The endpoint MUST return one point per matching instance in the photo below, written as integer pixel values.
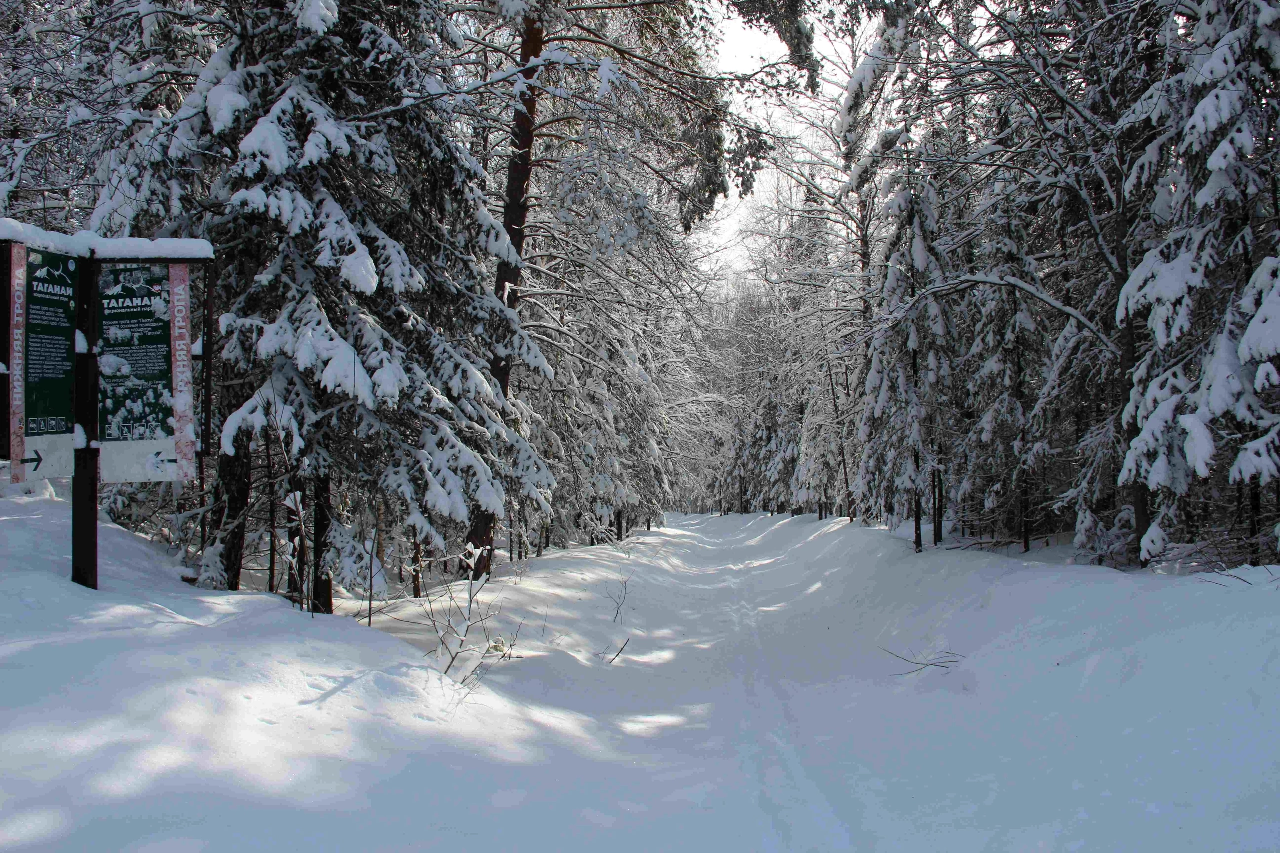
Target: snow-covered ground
(757, 705)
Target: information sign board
(41, 363)
(145, 423)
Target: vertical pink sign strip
(17, 361)
(180, 342)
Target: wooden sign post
(84, 480)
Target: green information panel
(50, 364)
(144, 368)
(135, 399)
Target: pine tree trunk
(515, 211)
(1255, 510)
(1141, 494)
(915, 504)
(321, 581)
(937, 507)
(234, 473)
(271, 517)
(844, 459)
(379, 545)
(417, 568)
(521, 539)
(1026, 517)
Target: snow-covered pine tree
(904, 396)
(1205, 292)
(313, 143)
(1086, 175)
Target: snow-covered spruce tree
(1205, 384)
(351, 235)
(997, 455)
(1086, 163)
(821, 465)
(759, 466)
(796, 260)
(904, 395)
(1054, 145)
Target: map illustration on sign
(140, 333)
(47, 316)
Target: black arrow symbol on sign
(36, 459)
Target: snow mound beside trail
(151, 712)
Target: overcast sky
(743, 46)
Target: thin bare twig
(943, 660)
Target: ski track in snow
(752, 708)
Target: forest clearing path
(754, 707)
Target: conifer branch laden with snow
(1049, 266)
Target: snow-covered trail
(752, 708)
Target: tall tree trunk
(1141, 494)
(417, 568)
(844, 459)
(379, 544)
(234, 473)
(1255, 510)
(1025, 500)
(515, 211)
(915, 506)
(520, 529)
(321, 580)
(271, 517)
(937, 507)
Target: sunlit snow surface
(752, 709)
